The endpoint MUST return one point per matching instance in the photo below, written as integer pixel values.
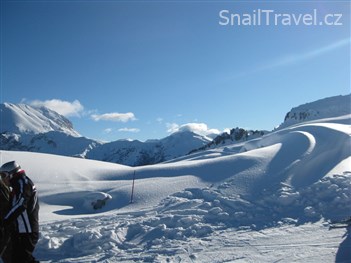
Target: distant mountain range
(39, 129)
(27, 128)
(136, 153)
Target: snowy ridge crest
(320, 109)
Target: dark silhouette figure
(343, 254)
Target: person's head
(7, 170)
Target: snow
(136, 153)
(323, 108)
(38, 129)
(264, 200)
(22, 118)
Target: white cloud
(198, 128)
(114, 116)
(129, 130)
(172, 127)
(64, 108)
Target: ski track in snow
(266, 200)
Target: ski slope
(264, 200)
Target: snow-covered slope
(22, 118)
(264, 200)
(50, 142)
(324, 108)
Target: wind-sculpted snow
(325, 108)
(264, 200)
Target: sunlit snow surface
(265, 200)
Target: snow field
(267, 202)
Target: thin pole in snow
(132, 195)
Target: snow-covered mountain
(52, 142)
(27, 128)
(136, 153)
(25, 119)
(323, 108)
(39, 129)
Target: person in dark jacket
(24, 212)
(5, 239)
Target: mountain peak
(23, 118)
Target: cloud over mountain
(65, 108)
(198, 128)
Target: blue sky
(144, 69)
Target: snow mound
(96, 200)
